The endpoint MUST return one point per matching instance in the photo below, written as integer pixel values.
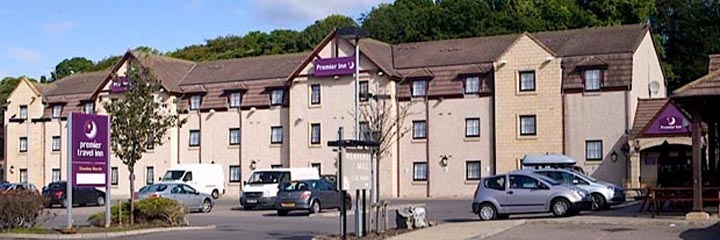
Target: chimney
(714, 63)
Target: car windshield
(589, 178)
(548, 180)
(268, 177)
(295, 186)
(4, 186)
(153, 188)
(173, 175)
(56, 185)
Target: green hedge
(162, 211)
(22, 209)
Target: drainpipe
(200, 136)
(239, 111)
(427, 140)
(398, 131)
(59, 121)
(43, 154)
(493, 140)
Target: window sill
(472, 182)
(417, 182)
(314, 106)
(472, 139)
(55, 152)
(526, 93)
(593, 93)
(194, 148)
(238, 183)
(314, 145)
(527, 137)
(419, 140)
(275, 145)
(593, 162)
(233, 146)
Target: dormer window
(472, 85)
(419, 88)
(593, 79)
(195, 101)
(56, 111)
(23, 114)
(89, 108)
(234, 99)
(276, 97)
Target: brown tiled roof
(646, 111)
(379, 53)
(714, 63)
(417, 73)
(169, 71)
(79, 83)
(446, 82)
(255, 94)
(597, 40)
(708, 85)
(251, 68)
(618, 66)
(451, 52)
(70, 102)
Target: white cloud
(25, 55)
(289, 11)
(58, 28)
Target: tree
(71, 66)
(136, 123)
(8, 84)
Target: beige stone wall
(545, 102)
(646, 69)
(446, 131)
(597, 116)
(32, 159)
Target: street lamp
(355, 33)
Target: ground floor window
(150, 175)
(235, 173)
(593, 150)
(114, 176)
(419, 171)
(276, 166)
(317, 166)
(56, 175)
(472, 170)
(23, 175)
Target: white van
(261, 188)
(205, 178)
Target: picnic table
(654, 199)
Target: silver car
(182, 193)
(525, 192)
(603, 194)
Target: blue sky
(36, 35)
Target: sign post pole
(108, 181)
(69, 182)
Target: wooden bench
(657, 197)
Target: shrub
(147, 211)
(22, 209)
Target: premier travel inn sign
(334, 66)
(89, 149)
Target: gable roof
(647, 109)
(250, 68)
(714, 63)
(451, 52)
(597, 40)
(169, 71)
(708, 85)
(79, 83)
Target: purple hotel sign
(334, 66)
(669, 121)
(119, 85)
(89, 149)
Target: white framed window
(114, 176)
(89, 108)
(195, 101)
(276, 97)
(276, 135)
(593, 79)
(472, 84)
(527, 81)
(528, 125)
(235, 98)
(194, 138)
(365, 131)
(594, 150)
(315, 133)
(23, 175)
(419, 129)
(472, 127)
(23, 144)
(420, 171)
(472, 170)
(55, 175)
(419, 88)
(363, 91)
(315, 94)
(234, 136)
(23, 114)
(57, 111)
(234, 173)
(56, 143)
(149, 175)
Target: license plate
(288, 204)
(252, 201)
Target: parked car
(309, 195)
(182, 193)
(205, 178)
(19, 187)
(261, 188)
(603, 194)
(56, 192)
(550, 161)
(525, 192)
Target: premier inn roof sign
(334, 66)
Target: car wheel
(100, 201)
(206, 206)
(487, 212)
(598, 202)
(315, 207)
(282, 213)
(215, 194)
(247, 207)
(560, 207)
